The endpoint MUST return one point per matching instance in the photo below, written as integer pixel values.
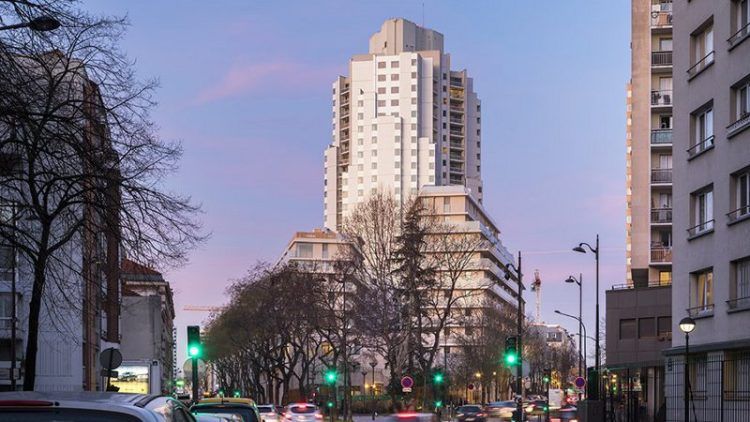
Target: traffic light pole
(194, 362)
(519, 349)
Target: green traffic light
(438, 403)
(545, 379)
(331, 376)
(237, 394)
(438, 378)
(329, 404)
(511, 359)
(194, 351)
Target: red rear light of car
(318, 416)
(25, 403)
(406, 415)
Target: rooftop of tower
(398, 35)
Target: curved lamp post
(581, 354)
(595, 251)
(687, 325)
(519, 334)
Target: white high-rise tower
(401, 120)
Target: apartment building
(712, 210)
(638, 312)
(402, 119)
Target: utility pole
(13, 307)
(519, 368)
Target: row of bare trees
(405, 281)
(80, 160)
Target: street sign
(407, 382)
(406, 389)
(527, 384)
(110, 358)
(580, 383)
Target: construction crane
(536, 287)
(202, 308)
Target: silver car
(90, 407)
(301, 412)
(268, 413)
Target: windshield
(246, 414)
(303, 409)
(469, 409)
(266, 409)
(63, 415)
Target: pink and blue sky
(245, 85)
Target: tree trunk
(32, 343)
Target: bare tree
(82, 162)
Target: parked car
(242, 407)
(218, 417)
(471, 413)
(301, 412)
(268, 413)
(90, 406)
(501, 409)
(414, 417)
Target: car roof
(225, 400)
(132, 404)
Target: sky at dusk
(245, 85)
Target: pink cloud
(242, 79)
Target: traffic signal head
(511, 351)
(331, 376)
(547, 376)
(438, 403)
(329, 404)
(237, 394)
(438, 378)
(194, 341)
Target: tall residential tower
(402, 119)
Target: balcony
(739, 214)
(457, 121)
(457, 82)
(646, 285)
(661, 254)
(661, 137)
(661, 18)
(742, 123)
(661, 176)
(456, 169)
(739, 36)
(702, 311)
(661, 58)
(661, 216)
(700, 229)
(457, 133)
(457, 145)
(701, 65)
(700, 147)
(738, 304)
(661, 98)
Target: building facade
(402, 119)
(712, 212)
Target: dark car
(471, 413)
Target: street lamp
(687, 325)
(580, 323)
(39, 24)
(595, 251)
(579, 282)
(519, 334)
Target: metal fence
(719, 388)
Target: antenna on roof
(423, 15)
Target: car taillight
(481, 415)
(318, 416)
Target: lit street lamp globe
(687, 325)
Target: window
(646, 327)
(6, 263)
(381, 103)
(702, 294)
(702, 42)
(6, 311)
(394, 90)
(627, 329)
(741, 198)
(394, 77)
(665, 44)
(325, 251)
(394, 103)
(703, 212)
(665, 277)
(737, 375)
(446, 204)
(740, 27)
(381, 78)
(413, 88)
(703, 133)
(740, 108)
(304, 250)
(381, 90)
(664, 326)
(381, 65)
(374, 166)
(740, 288)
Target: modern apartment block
(638, 312)
(712, 210)
(402, 119)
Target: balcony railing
(648, 284)
(741, 123)
(661, 98)
(738, 36)
(456, 169)
(701, 311)
(661, 215)
(700, 228)
(457, 121)
(661, 175)
(661, 58)
(701, 64)
(739, 303)
(701, 146)
(738, 213)
(457, 133)
(457, 145)
(661, 254)
(661, 136)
